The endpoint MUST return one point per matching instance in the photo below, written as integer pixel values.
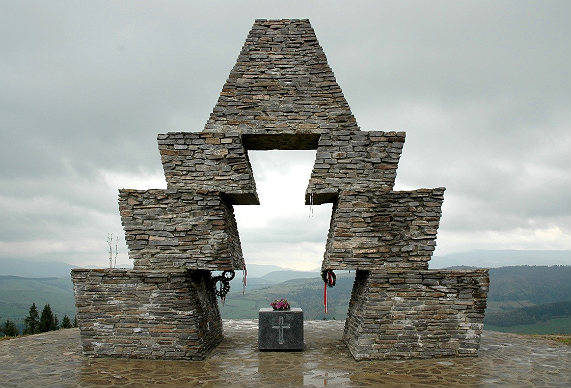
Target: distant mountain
(267, 275)
(529, 315)
(511, 288)
(42, 269)
(282, 276)
(502, 258)
(475, 258)
(306, 293)
(18, 293)
(260, 270)
(34, 268)
(529, 285)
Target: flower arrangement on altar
(281, 304)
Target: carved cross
(281, 328)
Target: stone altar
(281, 94)
(280, 329)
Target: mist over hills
(34, 268)
(516, 292)
(483, 258)
(474, 258)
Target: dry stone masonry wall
(146, 314)
(383, 229)
(208, 161)
(281, 94)
(281, 83)
(167, 229)
(348, 160)
(398, 313)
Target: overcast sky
(481, 88)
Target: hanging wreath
(221, 283)
(329, 277)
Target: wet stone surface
(55, 359)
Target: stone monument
(281, 94)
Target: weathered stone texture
(281, 94)
(174, 229)
(372, 230)
(347, 160)
(281, 83)
(397, 313)
(146, 314)
(208, 161)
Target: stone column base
(394, 313)
(146, 314)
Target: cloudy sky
(481, 88)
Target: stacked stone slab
(147, 314)
(167, 229)
(401, 313)
(281, 84)
(212, 162)
(281, 94)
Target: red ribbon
(329, 283)
(244, 279)
(325, 296)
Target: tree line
(529, 315)
(36, 323)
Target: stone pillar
(146, 314)
(396, 313)
(398, 308)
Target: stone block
(208, 161)
(121, 314)
(299, 95)
(372, 229)
(173, 229)
(416, 316)
(280, 329)
(353, 160)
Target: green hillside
(17, 295)
(521, 299)
(530, 284)
(306, 293)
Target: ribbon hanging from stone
(329, 280)
(244, 279)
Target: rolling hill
(511, 289)
(18, 293)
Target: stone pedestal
(146, 314)
(280, 329)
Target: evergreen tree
(32, 321)
(56, 322)
(47, 321)
(75, 321)
(10, 329)
(65, 322)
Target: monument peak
(281, 85)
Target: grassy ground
(6, 338)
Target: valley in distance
(530, 291)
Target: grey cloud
(482, 89)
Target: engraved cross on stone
(281, 328)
